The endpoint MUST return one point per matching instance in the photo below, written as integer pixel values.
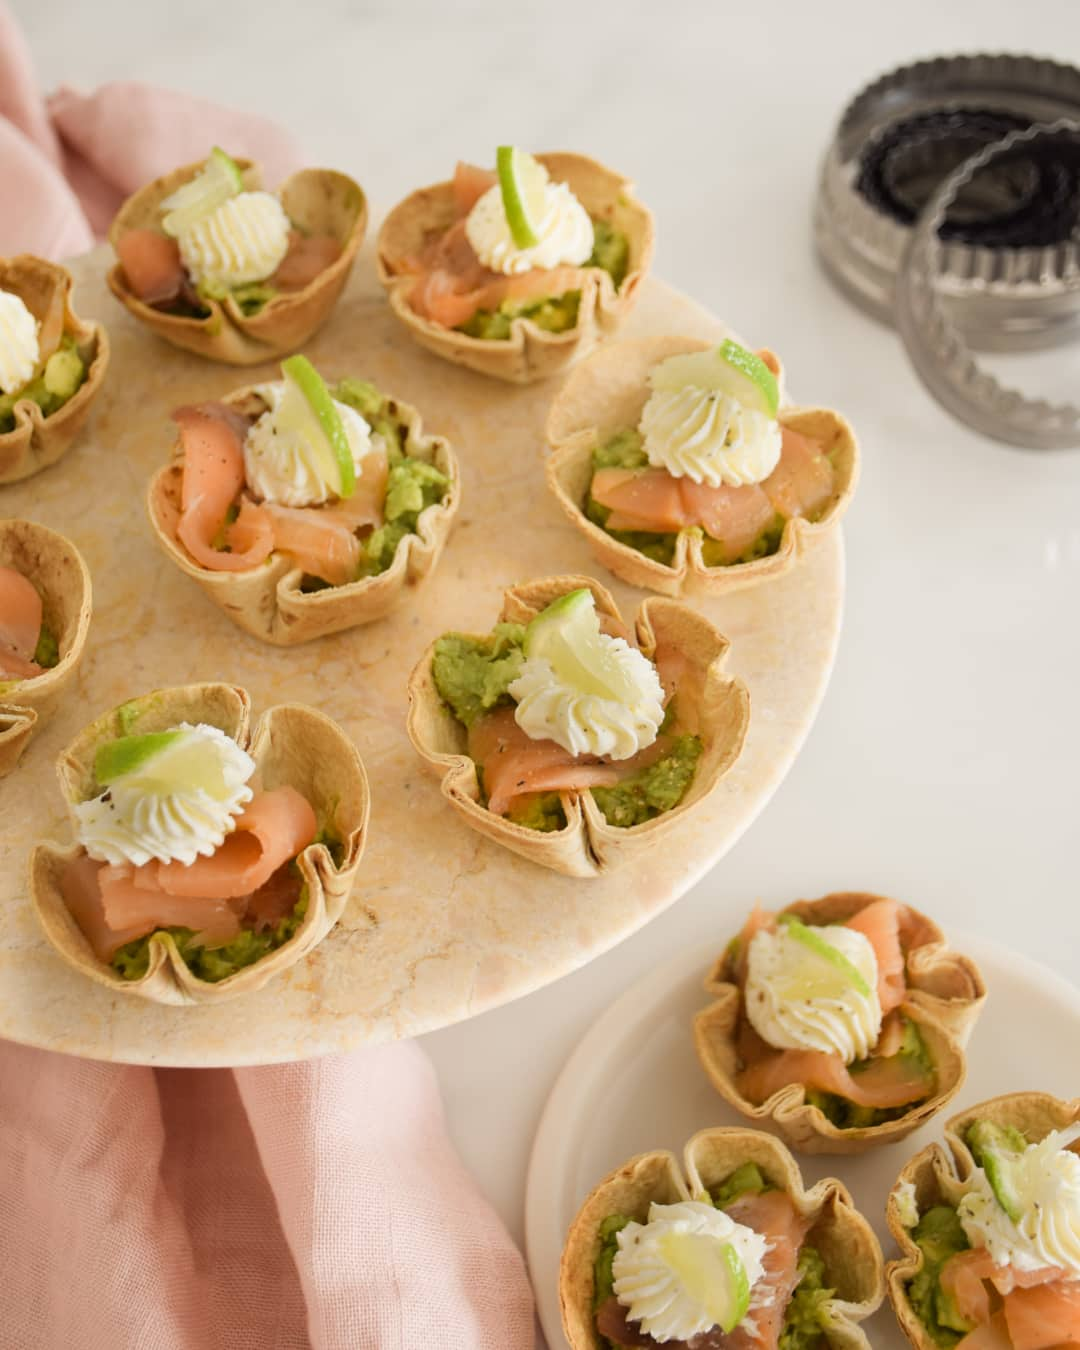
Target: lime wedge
(712, 1274)
(217, 181)
(567, 635)
(308, 409)
(814, 942)
(116, 759)
(728, 369)
(998, 1158)
(522, 182)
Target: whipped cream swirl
(174, 805)
(586, 723)
(669, 1273)
(281, 465)
(19, 348)
(797, 1000)
(564, 232)
(709, 437)
(244, 240)
(1046, 1178)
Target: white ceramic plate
(634, 1084)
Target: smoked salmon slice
(992, 1335)
(470, 184)
(308, 255)
(802, 482)
(151, 263)
(320, 545)
(1042, 1317)
(20, 625)
(734, 517)
(513, 764)
(880, 923)
(773, 1214)
(883, 1084)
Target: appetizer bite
(738, 1256)
(44, 617)
(302, 510)
(989, 1232)
(52, 364)
(206, 859)
(517, 272)
(568, 739)
(684, 469)
(840, 1021)
(214, 264)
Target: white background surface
(945, 766)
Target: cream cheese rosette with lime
(305, 508)
(568, 731)
(840, 1020)
(990, 1246)
(513, 271)
(686, 468)
(733, 1253)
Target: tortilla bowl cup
(530, 353)
(268, 601)
(937, 1175)
(605, 395)
(945, 994)
(317, 201)
(712, 704)
(846, 1241)
(291, 745)
(56, 568)
(36, 441)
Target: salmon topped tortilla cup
(567, 775)
(45, 602)
(48, 384)
(841, 1022)
(989, 1229)
(753, 486)
(533, 321)
(224, 509)
(194, 268)
(208, 858)
(799, 1261)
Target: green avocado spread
(847, 1115)
(47, 651)
(558, 313)
(939, 1236)
(61, 377)
(747, 1179)
(473, 675)
(652, 791)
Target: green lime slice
(998, 1158)
(712, 1273)
(567, 635)
(522, 182)
(118, 758)
(218, 180)
(814, 942)
(728, 369)
(308, 409)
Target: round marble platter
(442, 924)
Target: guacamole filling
(62, 376)
(412, 484)
(806, 1316)
(625, 451)
(47, 651)
(250, 298)
(473, 676)
(847, 1115)
(554, 314)
(939, 1236)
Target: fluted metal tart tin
(1008, 267)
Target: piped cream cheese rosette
(733, 1246)
(686, 469)
(45, 603)
(570, 740)
(842, 1021)
(207, 858)
(302, 509)
(215, 265)
(989, 1229)
(473, 289)
(52, 364)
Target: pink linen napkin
(68, 161)
(315, 1206)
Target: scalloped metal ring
(933, 341)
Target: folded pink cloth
(70, 160)
(307, 1205)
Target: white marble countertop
(943, 768)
